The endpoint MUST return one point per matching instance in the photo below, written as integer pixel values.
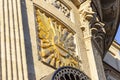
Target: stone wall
(72, 22)
(23, 48)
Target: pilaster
(13, 57)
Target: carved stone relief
(60, 6)
(56, 42)
(91, 23)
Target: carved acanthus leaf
(91, 23)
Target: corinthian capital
(92, 25)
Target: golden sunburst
(56, 42)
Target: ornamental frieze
(56, 42)
(60, 6)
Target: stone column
(12, 48)
(94, 39)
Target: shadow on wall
(27, 39)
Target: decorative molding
(56, 42)
(91, 24)
(60, 6)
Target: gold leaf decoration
(56, 42)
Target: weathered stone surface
(85, 30)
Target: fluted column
(13, 57)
